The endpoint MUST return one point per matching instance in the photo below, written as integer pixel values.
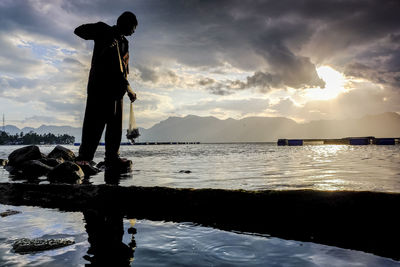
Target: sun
(334, 84)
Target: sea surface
(254, 166)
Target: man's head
(127, 23)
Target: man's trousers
(101, 112)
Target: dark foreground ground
(364, 221)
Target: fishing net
(133, 131)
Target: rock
(185, 171)
(34, 168)
(51, 162)
(26, 245)
(62, 152)
(66, 172)
(89, 170)
(9, 213)
(23, 154)
(3, 162)
(13, 170)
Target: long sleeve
(91, 31)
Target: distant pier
(367, 140)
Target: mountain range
(251, 129)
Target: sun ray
(334, 84)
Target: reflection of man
(106, 88)
(105, 232)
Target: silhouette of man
(106, 87)
(105, 229)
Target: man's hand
(131, 94)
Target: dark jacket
(106, 78)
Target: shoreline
(362, 220)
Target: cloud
(42, 120)
(72, 61)
(227, 48)
(147, 74)
(239, 107)
(364, 98)
(379, 63)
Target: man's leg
(114, 131)
(93, 126)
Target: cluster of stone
(9, 213)
(26, 245)
(59, 165)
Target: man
(106, 87)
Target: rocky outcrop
(26, 245)
(63, 153)
(366, 221)
(66, 172)
(23, 154)
(28, 162)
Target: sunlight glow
(335, 84)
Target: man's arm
(91, 31)
(131, 93)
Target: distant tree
(33, 138)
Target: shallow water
(255, 166)
(162, 244)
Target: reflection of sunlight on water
(331, 185)
(328, 150)
(326, 155)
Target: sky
(304, 60)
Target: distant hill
(252, 129)
(269, 129)
(74, 131)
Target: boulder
(66, 172)
(9, 213)
(13, 170)
(3, 162)
(89, 170)
(23, 154)
(34, 168)
(62, 152)
(51, 162)
(26, 245)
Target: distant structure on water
(368, 140)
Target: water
(163, 244)
(230, 166)
(255, 166)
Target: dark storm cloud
(31, 17)
(265, 36)
(279, 41)
(263, 82)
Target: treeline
(33, 138)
